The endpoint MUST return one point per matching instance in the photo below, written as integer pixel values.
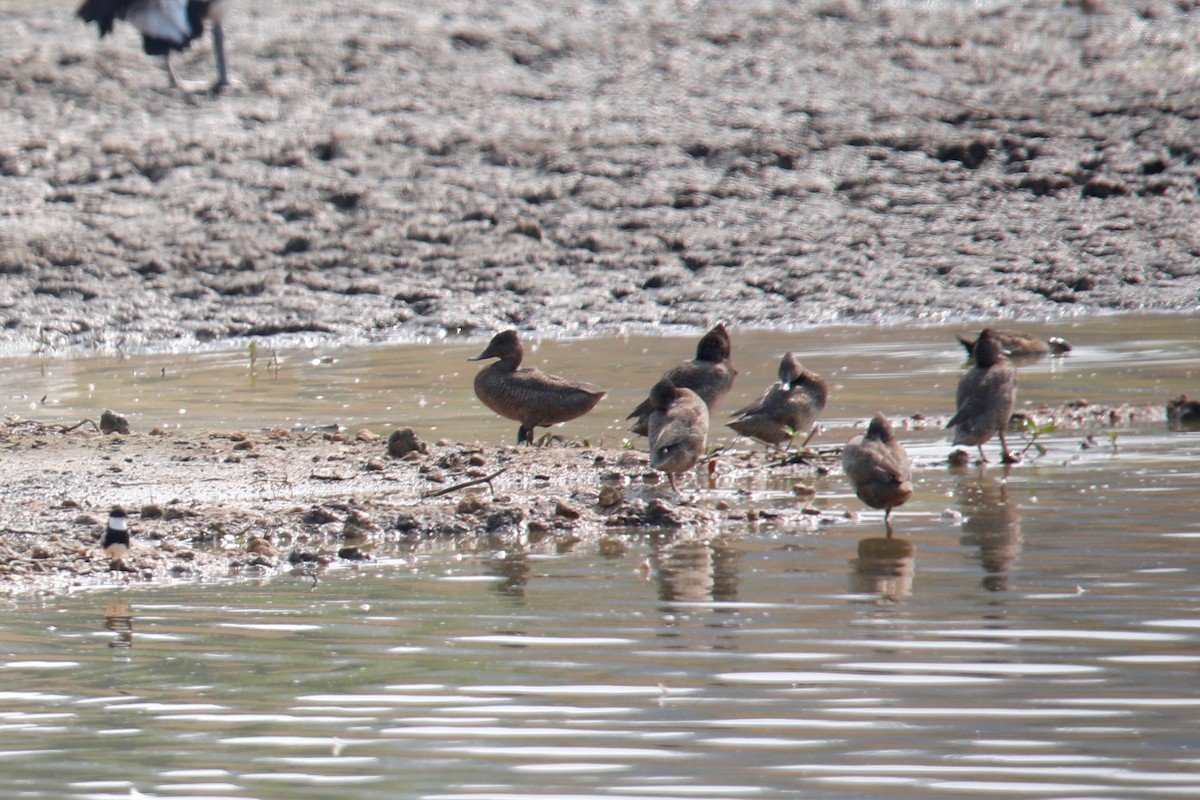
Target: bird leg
(218, 36)
(887, 521)
(982, 457)
(525, 435)
(1006, 457)
(808, 438)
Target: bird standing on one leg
(985, 398)
(710, 375)
(529, 396)
(677, 428)
(788, 407)
(878, 468)
(166, 26)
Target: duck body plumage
(677, 428)
(786, 408)
(985, 396)
(878, 467)
(710, 375)
(534, 398)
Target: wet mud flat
(242, 505)
(393, 170)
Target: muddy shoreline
(398, 171)
(219, 505)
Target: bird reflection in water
(695, 570)
(991, 522)
(512, 567)
(884, 567)
(118, 618)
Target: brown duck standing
(678, 427)
(878, 468)
(709, 375)
(985, 398)
(529, 396)
(785, 408)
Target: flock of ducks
(675, 415)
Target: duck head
(987, 349)
(505, 346)
(715, 345)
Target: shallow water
(1032, 633)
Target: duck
(166, 26)
(529, 396)
(1183, 413)
(1021, 345)
(878, 468)
(985, 396)
(710, 375)
(785, 408)
(677, 428)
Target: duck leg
(982, 457)
(525, 435)
(887, 521)
(1005, 456)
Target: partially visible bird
(786, 408)
(166, 26)
(1021, 345)
(878, 468)
(985, 397)
(710, 375)
(529, 396)
(677, 426)
(1183, 413)
(115, 540)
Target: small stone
(366, 436)
(405, 441)
(564, 509)
(112, 422)
(318, 516)
(157, 431)
(375, 465)
(152, 511)
(609, 496)
(261, 546)
(471, 504)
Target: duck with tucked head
(985, 397)
(677, 426)
(785, 408)
(710, 375)
(529, 396)
(1015, 344)
(878, 468)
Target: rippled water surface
(1031, 633)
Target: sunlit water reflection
(1033, 633)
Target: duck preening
(985, 396)
(166, 26)
(677, 427)
(786, 408)
(710, 375)
(529, 396)
(878, 468)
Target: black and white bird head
(116, 534)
